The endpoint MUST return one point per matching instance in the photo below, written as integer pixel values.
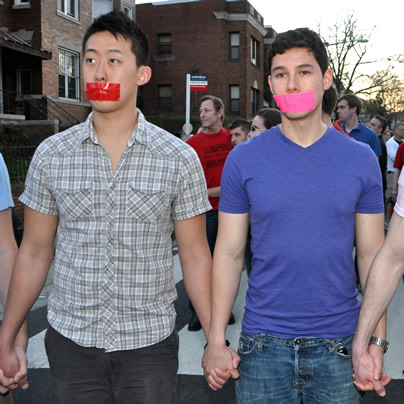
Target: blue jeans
(286, 370)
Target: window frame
(164, 103)
(62, 7)
(76, 61)
(254, 51)
(233, 47)
(234, 109)
(164, 49)
(254, 93)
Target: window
(23, 80)
(164, 44)
(100, 7)
(69, 7)
(254, 51)
(234, 99)
(234, 45)
(164, 97)
(128, 11)
(69, 75)
(20, 3)
(254, 100)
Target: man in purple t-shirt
(306, 192)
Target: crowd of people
(286, 195)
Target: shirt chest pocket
(75, 200)
(146, 202)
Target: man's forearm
(225, 284)
(29, 276)
(197, 280)
(214, 192)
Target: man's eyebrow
(108, 51)
(301, 66)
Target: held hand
(219, 364)
(21, 375)
(368, 374)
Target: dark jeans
(93, 376)
(212, 219)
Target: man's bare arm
(196, 263)
(8, 252)
(369, 239)
(227, 267)
(214, 192)
(29, 275)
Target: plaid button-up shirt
(113, 285)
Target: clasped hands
(219, 364)
(13, 370)
(368, 370)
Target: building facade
(223, 39)
(40, 53)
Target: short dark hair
(217, 103)
(271, 117)
(330, 98)
(118, 23)
(299, 38)
(382, 121)
(242, 123)
(353, 101)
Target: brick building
(223, 39)
(40, 48)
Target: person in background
(328, 106)
(265, 119)
(349, 108)
(388, 134)
(378, 124)
(392, 146)
(239, 129)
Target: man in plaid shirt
(102, 199)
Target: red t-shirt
(399, 161)
(212, 150)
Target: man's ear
(144, 75)
(327, 79)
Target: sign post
(194, 82)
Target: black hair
(299, 38)
(353, 101)
(270, 116)
(118, 23)
(242, 123)
(330, 98)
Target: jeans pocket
(247, 345)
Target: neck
(304, 132)
(399, 139)
(213, 129)
(116, 125)
(352, 123)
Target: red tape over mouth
(103, 91)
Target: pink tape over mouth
(295, 102)
(103, 91)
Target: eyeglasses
(254, 128)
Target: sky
(383, 20)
